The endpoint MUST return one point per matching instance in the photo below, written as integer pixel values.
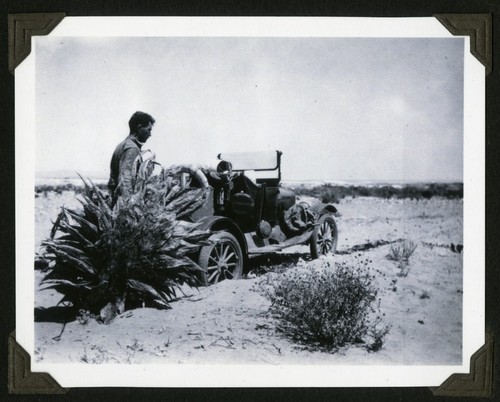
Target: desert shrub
(60, 188)
(425, 295)
(401, 253)
(333, 307)
(384, 192)
(330, 193)
(106, 259)
(402, 250)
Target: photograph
(254, 201)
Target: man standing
(121, 180)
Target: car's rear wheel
(324, 237)
(222, 259)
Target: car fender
(321, 209)
(220, 223)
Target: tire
(223, 259)
(324, 237)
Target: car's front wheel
(222, 259)
(324, 237)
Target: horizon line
(292, 181)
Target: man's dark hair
(139, 118)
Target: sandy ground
(230, 322)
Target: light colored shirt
(122, 176)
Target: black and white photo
(254, 201)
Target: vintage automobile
(251, 214)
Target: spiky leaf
(138, 250)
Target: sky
(340, 109)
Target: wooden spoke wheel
(223, 259)
(324, 237)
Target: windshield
(267, 160)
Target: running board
(257, 245)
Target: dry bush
(106, 259)
(402, 250)
(334, 307)
(401, 253)
(333, 193)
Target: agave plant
(105, 259)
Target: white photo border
(184, 375)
